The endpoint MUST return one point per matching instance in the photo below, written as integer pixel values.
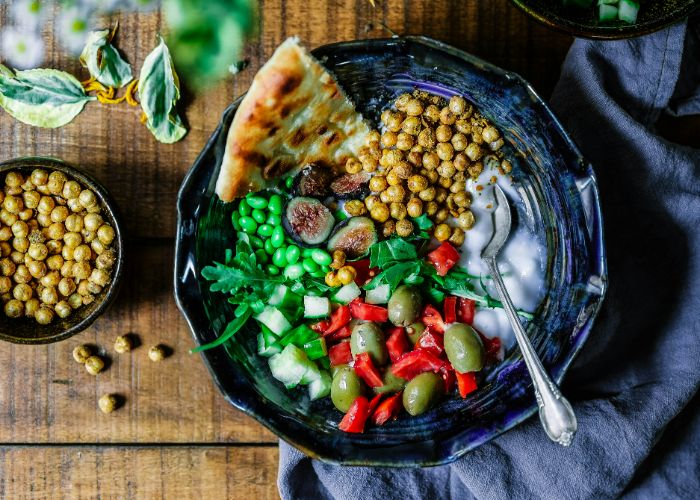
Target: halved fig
(308, 221)
(314, 181)
(354, 236)
(351, 186)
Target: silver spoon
(556, 414)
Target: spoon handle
(556, 414)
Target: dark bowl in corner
(560, 196)
(28, 331)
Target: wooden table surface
(176, 436)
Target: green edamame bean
(464, 348)
(288, 182)
(258, 215)
(248, 225)
(275, 204)
(422, 392)
(367, 337)
(272, 270)
(277, 237)
(269, 248)
(261, 256)
(255, 242)
(235, 217)
(346, 387)
(257, 202)
(279, 258)
(319, 274)
(243, 208)
(321, 257)
(273, 220)
(306, 253)
(294, 271)
(309, 265)
(265, 230)
(292, 254)
(404, 305)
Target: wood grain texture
(139, 472)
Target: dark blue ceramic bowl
(561, 203)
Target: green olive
(336, 368)
(414, 331)
(422, 392)
(464, 348)
(392, 383)
(346, 387)
(367, 337)
(404, 305)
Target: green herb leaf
(103, 61)
(391, 250)
(232, 328)
(423, 222)
(159, 91)
(41, 97)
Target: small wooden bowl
(28, 331)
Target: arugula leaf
(232, 328)
(41, 97)
(103, 61)
(422, 222)
(159, 91)
(395, 249)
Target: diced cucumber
(321, 387)
(347, 293)
(292, 367)
(378, 295)
(268, 344)
(628, 11)
(316, 348)
(316, 307)
(284, 298)
(272, 318)
(607, 12)
(299, 336)
(324, 363)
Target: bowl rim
(52, 163)
(566, 26)
(249, 402)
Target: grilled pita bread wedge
(294, 113)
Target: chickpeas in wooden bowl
(61, 250)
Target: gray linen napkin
(634, 384)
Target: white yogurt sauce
(521, 261)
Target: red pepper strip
(466, 383)
(443, 258)
(321, 326)
(364, 272)
(416, 362)
(432, 319)
(339, 318)
(448, 376)
(354, 420)
(491, 346)
(450, 307)
(431, 342)
(340, 354)
(367, 371)
(465, 310)
(390, 408)
(368, 312)
(397, 343)
(343, 333)
(374, 402)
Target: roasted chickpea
(17, 257)
(490, 134)
(415, 158)
(66, 287)
(22, 292)
(332, 280)
(122, 344)
(81, 270)
(411, 125)
(14, 179)
(446, 169)
(389, 228)
(66, 270)
(20, 244)
(49, 295)
(14, 308)
(82, 253)
(38, 251)
(473, 151)
(398, 210)
(441, 215)
(63, 309)
(459, 142)
(94, 365)
(37, 269)
(431, 208)
(378, 183)
(442, 232)
(404, 141)
(396, 193)
(427, 194)
(457, 237)
(466, 220)
(404, 227)
(497, 144)
(20, 229)
(99, 248)
(88, 299)
(476, 134)
(22, 274)
(457, 104)
(71, 190)
(373, 136)
(393, 178)
(31, 199)
(369, 164)
(156, 353)
(506, 166)
(462, 199)
(460, 162)
(384, 197)
(403, 170)
(338, 259)
(414, 207)
(475, 169)
(72, 240)
(440, 194)
(31, 307)
(445, 182)
(26, 214)
(353, 207)
(379, 212)
(427, 138)
(431, 160)
(395, 121)
(5, 249)
(88, 236)
(393, 157)
(93, 288)
(447, 117)
(346, 274)
(39, 177)
(7, 218)
(389, 139)
(402, 101)
(43, 315)
(6, 234)
(59, 214)
(7, 267)
(44, 220)
(107, 403)
(75, 300)
(46, 205)
(445, 151)
(54, 262)
(50, 279)
(68, 253)
(5, 285)
(13, 204)
(443, 133)
(56, 181)
(92, 222)
(463, 127)
(431, 113)
(87, 198)
(417, 183)
(352, 166)
(74, 205)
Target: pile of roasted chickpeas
(421, 164)
(55, 247)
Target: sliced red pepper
(390, 408)
(340, 354)
(364, 272)
(397, 343)
(450, 309)
(368, 312)
(465, 310)
(343, 333)
(367, 371)
(416, 362)
(466, 383)
(321, 326)
(374, 402)
(431, 342)
(448, 376)
(491, 346)
(443, 258)
(339, 318)
(431, 319)
(354, 420)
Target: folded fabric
(634, 384)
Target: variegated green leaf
(159, 90)
(41, 97)
(104, 62)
